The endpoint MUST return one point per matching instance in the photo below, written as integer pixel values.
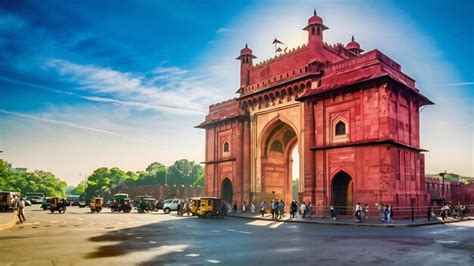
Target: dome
(353, 45)
(246, 51)
(315, 20)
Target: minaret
(315, 30)
(245, 58)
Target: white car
(170, 205)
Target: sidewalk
(7, 220)
(348, 221)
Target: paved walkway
(346, 220)
(7, 220)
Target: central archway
(277, 145)
(226, 190)
(341, 196)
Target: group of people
(385, 212)
(277, 208)
(457, 210)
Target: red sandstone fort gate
(354, 117)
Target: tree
(80, 189)
(154, 174)
(184, 172)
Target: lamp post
(166, 176)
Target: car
(27, 202)
(170, 205)
(82, 204)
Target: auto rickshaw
(58, 204)
(121, 202)
(96, 204)
(146, 205)
(194, 205)
(209, 206)
(7, 200)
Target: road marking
(129, 234)
(170, 227)
(152, 242)
(189, 225)
(138, 237)
(215, 231)
(192, 255)
(214, 261)
(245, 232)
(179, 250)
(53, 222)
(440, 241)
(276, 225)
(230, 230)
(27, 223)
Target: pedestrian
(303, 209)
(252, 207)
(366, 211)
(244, 207)
(389, 214)
(429, 213)
(178, 208)
(281, 209)
(273, 209)
(235, 207)
(309, 210)
(358, 212)
(21, 210)
(463, 211)
(293, 208)
(333, 213)
(262, 208)
(381, 212)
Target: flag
(277, 41)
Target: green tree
(184, 172)
(80, 189)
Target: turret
(315, 30)
(245, 58)
(354, 46)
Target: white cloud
(164, 89)
(72, 125)
(223, 30)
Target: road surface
(82, 238)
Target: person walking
(281, 209)
(234, 209)
(390, 213)
(293, 208)
(21, 210)
(333, 213)
(262, 208)
(309, 210)
(429, 213)
(381, 212)
(244, 207)
(358, 210)
(274, 209)
(252, 207)
(303, 209)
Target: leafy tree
(80, 189)
(184, 172)
(154, 174)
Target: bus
(35, 197)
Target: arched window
(226, 147)
(340, 128)
(318, 32)
(313, 31)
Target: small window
(313, 31)
(318, 31)
(226, 147)
(340, 128)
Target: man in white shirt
(303, 209)
(21, 207)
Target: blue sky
(85, 84)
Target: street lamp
(166, 176)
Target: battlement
(279, 56)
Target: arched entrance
(226, 190)
(277, 145)
(341, 196)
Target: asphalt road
(81, 238)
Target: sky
(86, 84)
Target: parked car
(170, 205)
(82, 204)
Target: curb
(351, 224)
(10, 224)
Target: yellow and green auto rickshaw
(7, 200)
(193, 205)
(209, 207)
(58, 204)
(146, 205)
